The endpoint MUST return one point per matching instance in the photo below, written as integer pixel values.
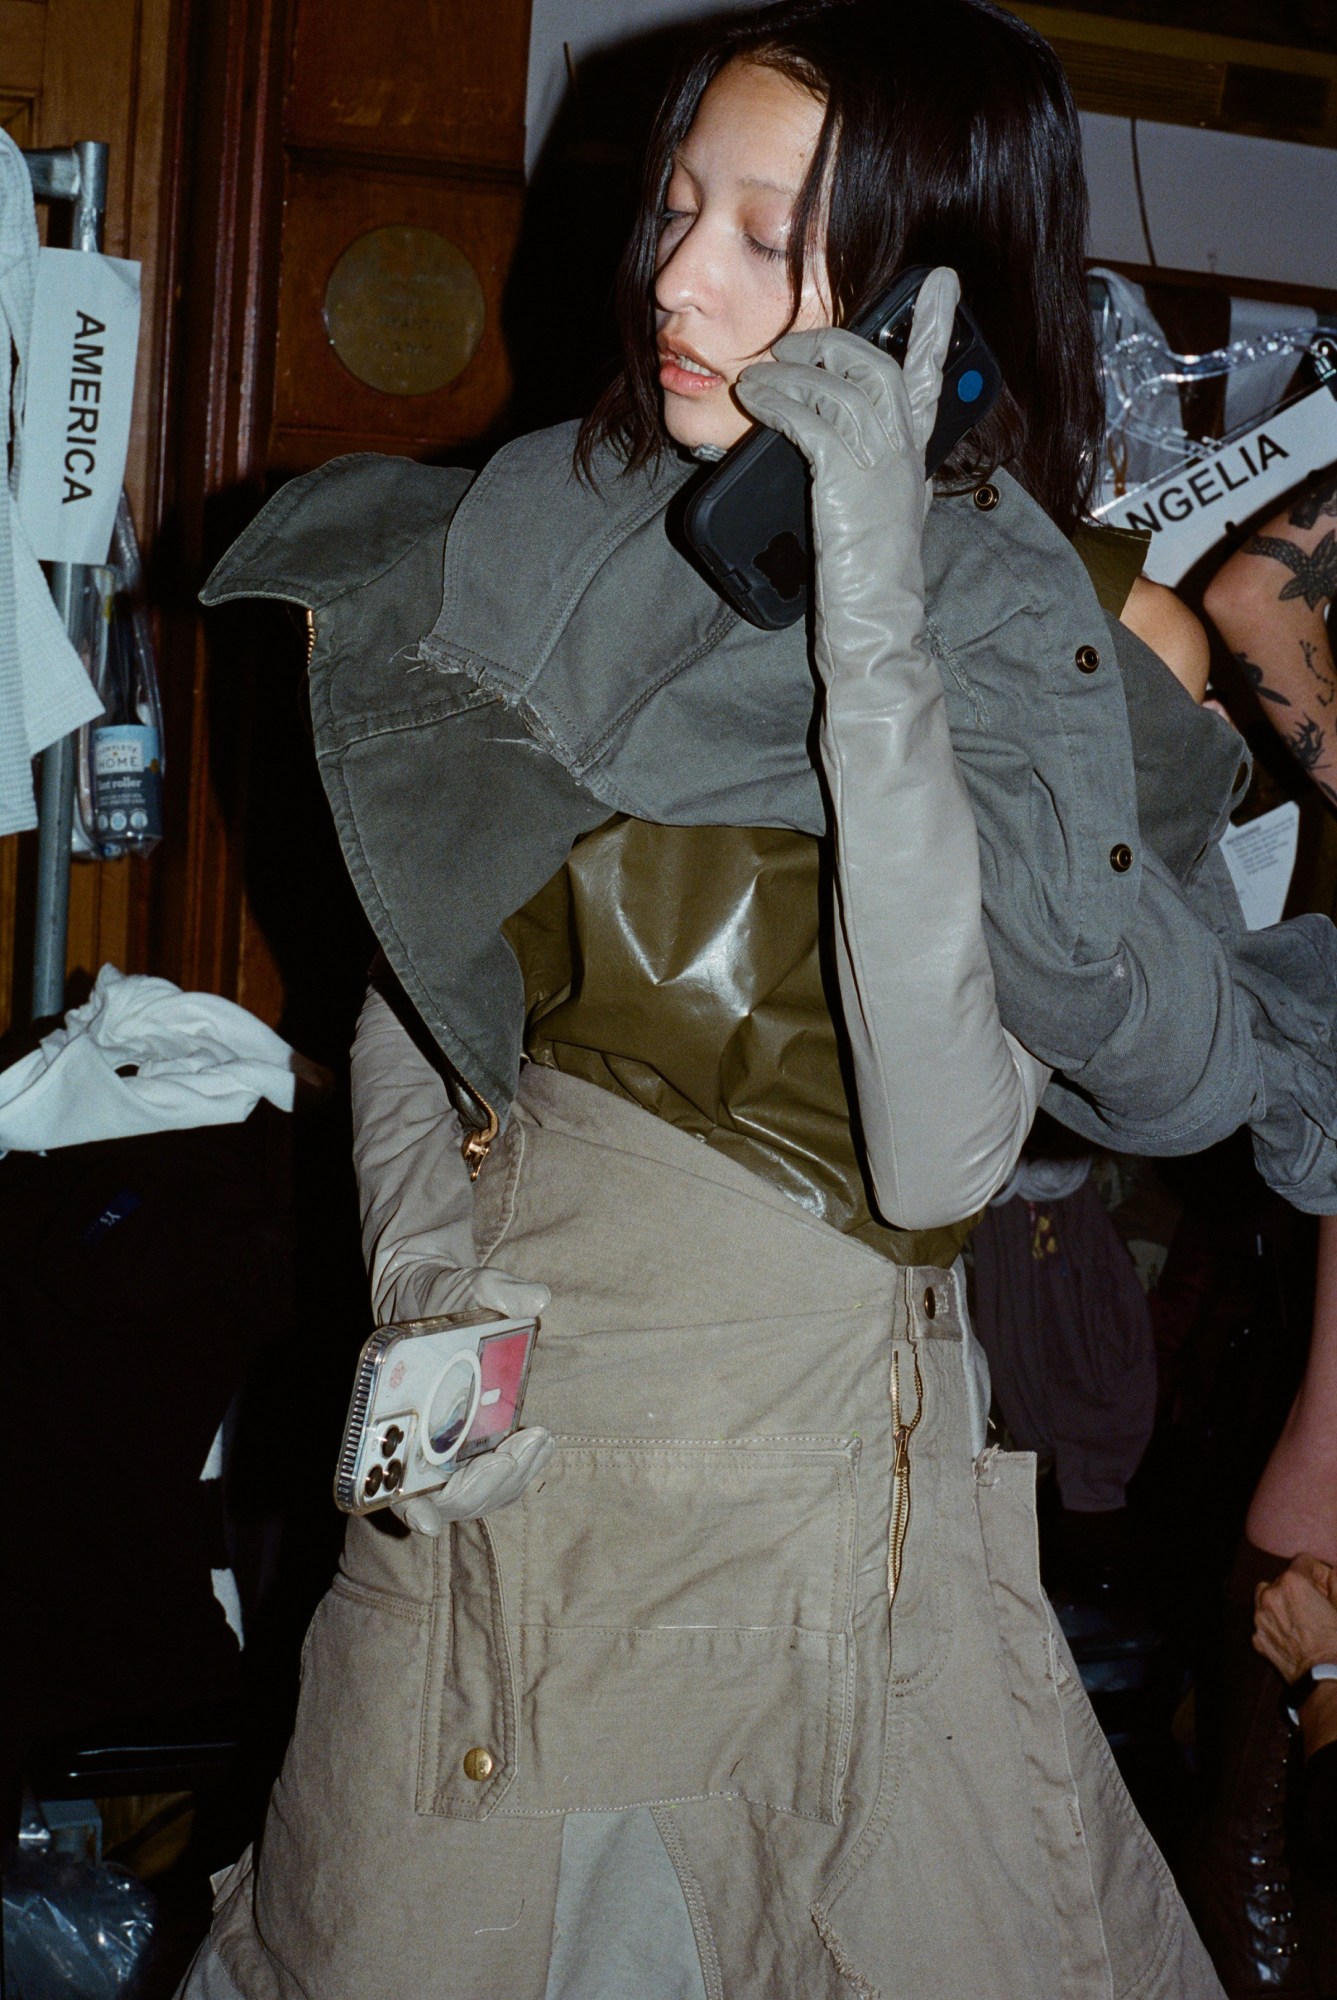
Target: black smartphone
(747, 522)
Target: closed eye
(676, 221)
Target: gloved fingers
(930, 337)
(488, 1482)
(519, 1298)
(419, 1514)
(850, 357)
(518, 1461)
(823, 414)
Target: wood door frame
(221, 273)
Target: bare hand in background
(1295, 1618)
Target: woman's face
(722, 282)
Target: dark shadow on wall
(558, 312)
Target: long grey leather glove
(417, 1238)
(946, 1096)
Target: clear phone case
(429, 1395)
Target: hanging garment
(44, 691)
(142, 1056)
(1067, 1330)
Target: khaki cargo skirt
(754, 1695)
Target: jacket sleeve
(1100, 792)
(413, 1185)
(414, 1189)
(1220, 1027)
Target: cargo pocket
(363, 1661)
(682, 1619)
(467, 1745)
(347, 1782)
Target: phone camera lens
(391, 1442)
(394, 1472)
(371, 1486)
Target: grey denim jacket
(569, 663)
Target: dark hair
(949, 137)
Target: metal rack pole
(77, 174)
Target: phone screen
(503, 1359)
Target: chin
(690, 424)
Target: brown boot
(1243, 1898)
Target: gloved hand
(946, 1096)
(487, 1482)
(417, 1238)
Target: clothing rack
(77, 175)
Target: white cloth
(44, 691)
(191, 1058)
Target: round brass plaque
(404, 310)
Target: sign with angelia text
(80, 386)
(1193, 508)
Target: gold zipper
(478, 1144)
(901, 1434)
(310, 635)
(477, 1139)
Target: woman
(732, 1674)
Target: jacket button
(986, 497)
(1088, 659)
(930, 1302)
(478, 1765)
(1121, 858)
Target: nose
(689, 275)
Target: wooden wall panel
(328, 208)
(405, 114)
(307, 123)
(22, 45)
(252, 142)
(223, 138)
(1186, 76)
(424, 79)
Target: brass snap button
(479, 1764)
(1088, 659)
(1121, 858)
(930, 1303)
(986, 497)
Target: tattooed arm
(1269, 603)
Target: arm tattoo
(1253, 674)
(1314, 575)
(1310, 506)
(1325, 680)
(1307, 744)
